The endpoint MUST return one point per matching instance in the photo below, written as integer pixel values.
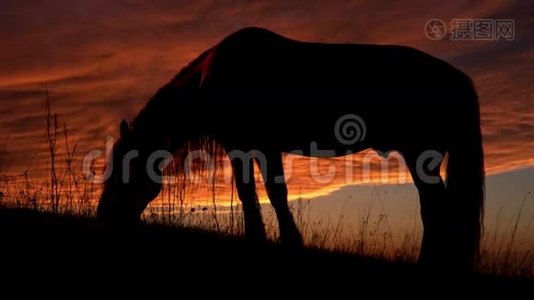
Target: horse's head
(130, 185)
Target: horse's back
(264, 58)
(305, 87)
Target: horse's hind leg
(424, 170)
(272, 170)
(246, 189)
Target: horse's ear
(124, 129)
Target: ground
(40, 246)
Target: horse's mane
(181, 78)
(185, 71)
(160, 109)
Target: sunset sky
(102, 60)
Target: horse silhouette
(256, 95)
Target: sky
(102, 60)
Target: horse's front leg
(272, 170)
(246, 189)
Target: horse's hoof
(292, 242)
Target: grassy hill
(39, 246)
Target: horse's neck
(156, 124)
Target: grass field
(39, 246)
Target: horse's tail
(465, 179)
